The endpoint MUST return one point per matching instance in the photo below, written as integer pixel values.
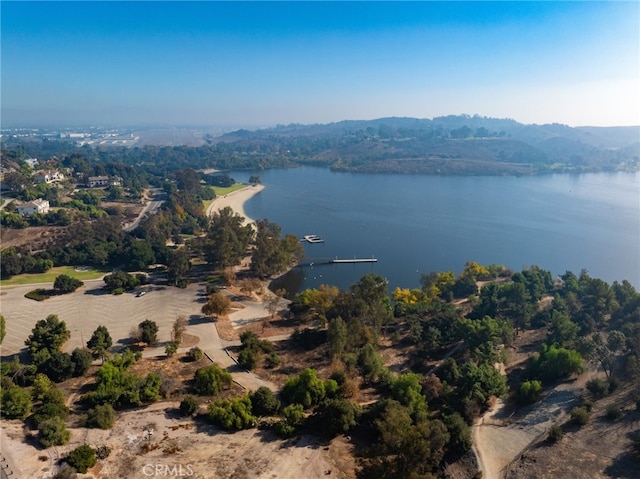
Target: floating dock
(355, 260)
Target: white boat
(313, 239)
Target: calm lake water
(418, 224)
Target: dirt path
(502, 433)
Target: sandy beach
(236, 201)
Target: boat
(313, 239)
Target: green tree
(406, 448)
(306, 389)
(211, 380)
(100, 342)
(407, 390)
(264, 402)
(459, 433)
(177, 266)
(3, 328)
(337, 336)
(48, 334)
(53, 405)
(64, 284)
(82, 458)
(148, 332)
(41, 385)
(529, 392)
(273, 254)
(554, 363)
(81, 360)
(53, 432)
(189, 405)
(150, 388)
(227, 239)
(337, 416)
(232, 414)
(58, 366)
(101, 417)
(217, 305)
(16, 402)
(171, 349)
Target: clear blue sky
(260, 64)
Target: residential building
(35, 206)
(47, 176)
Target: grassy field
(220, 191)
(50, 276)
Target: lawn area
(220, 191)
(50, 276)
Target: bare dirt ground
(601, 448)
(151, 441)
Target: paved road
(158, 197)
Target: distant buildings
(35, 206)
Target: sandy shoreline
(236, 201)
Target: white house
(98, 181)
(35, 206)
(48, 176)
(101, 181)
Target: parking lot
(90, 307)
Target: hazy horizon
(253, 65)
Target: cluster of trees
(253, 349)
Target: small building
(35, 206)
(102, 181)
(98, 181)
(48, 176)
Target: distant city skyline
(246, 64)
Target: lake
(418, 224)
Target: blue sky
(261, 64)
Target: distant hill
(456, 144)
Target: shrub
(248, 358)
(101, 417)
(614, 412)
(53, 405)
(82, 458)
(598, 387)
(37, 294)
(81, 359)
(273, 360)
(337, 416)
(264, 402)
(305, 389)
(555, 433)
(171, 349)
(294, 414)
(16, 402)
(188, 406)
(232, 414)
(195, 354)
(64, 284)
(529, 392)
(53, 432)
(67, 472)
(284, 429)
(580, 415)
(102, 452)
(148, 332)
(211, 380)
